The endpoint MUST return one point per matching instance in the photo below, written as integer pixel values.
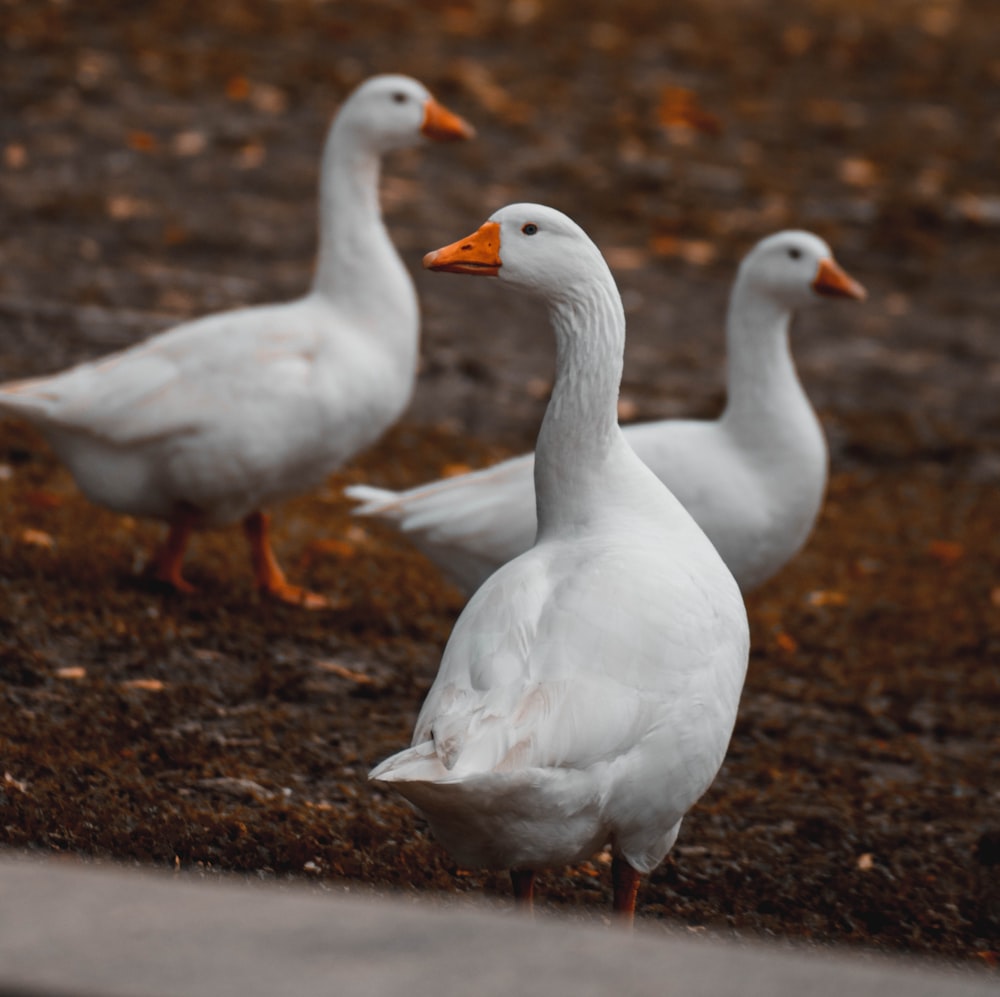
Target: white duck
(753, 479)
(589, 689)
(208, 422)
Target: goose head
(393, 112)
(797, 269)
(529, 246)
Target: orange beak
(477, 254)
(443, 126)
(833, 282)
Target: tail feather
(27, 400)
(375, 501)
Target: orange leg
(267, 572)
(626, 887)
(166, 564)
(523, 881)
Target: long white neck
(357, 266)
(763, 388)
(580, 433)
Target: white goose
(753, 479)
(208, 422)
(589, 689)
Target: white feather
(589, 689)
(753, 479)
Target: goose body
(588, 691)
(206, 423)
(753, 479)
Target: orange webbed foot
(295, 595)
(271, 581)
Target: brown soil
(163, 166)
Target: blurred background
(160, 161)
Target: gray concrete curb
(69, 928)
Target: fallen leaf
(141, 141)
(335, 668)
(664, 245)
(16, 783)
(356, 534)
(71, 672)
(628, 409)
(980, 209)
(268, 99)
(826, 597)
(36, 538)
(147, 685)
(237, 88)
(786, 642)
(681, 109)
(857, 172)
(15, 156)
(251, 156)
(946, 551)
(538, 387)
(189, 143)
(175, 235)
(206, 656)
(865, 861)
(454, 469)
(625, 257)
(697, 252)
(122, 207)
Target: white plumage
(206, 423)
(589, 689)
(753, 479)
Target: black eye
(530, 229)
(399, 97)
(795, 253)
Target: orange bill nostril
(476, 254)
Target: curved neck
(580, 428)
(761, 377)
(354, 247)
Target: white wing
(176, 382)
(469, 524)
(545, 670)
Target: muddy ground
(163, 166)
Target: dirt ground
(163, 166)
